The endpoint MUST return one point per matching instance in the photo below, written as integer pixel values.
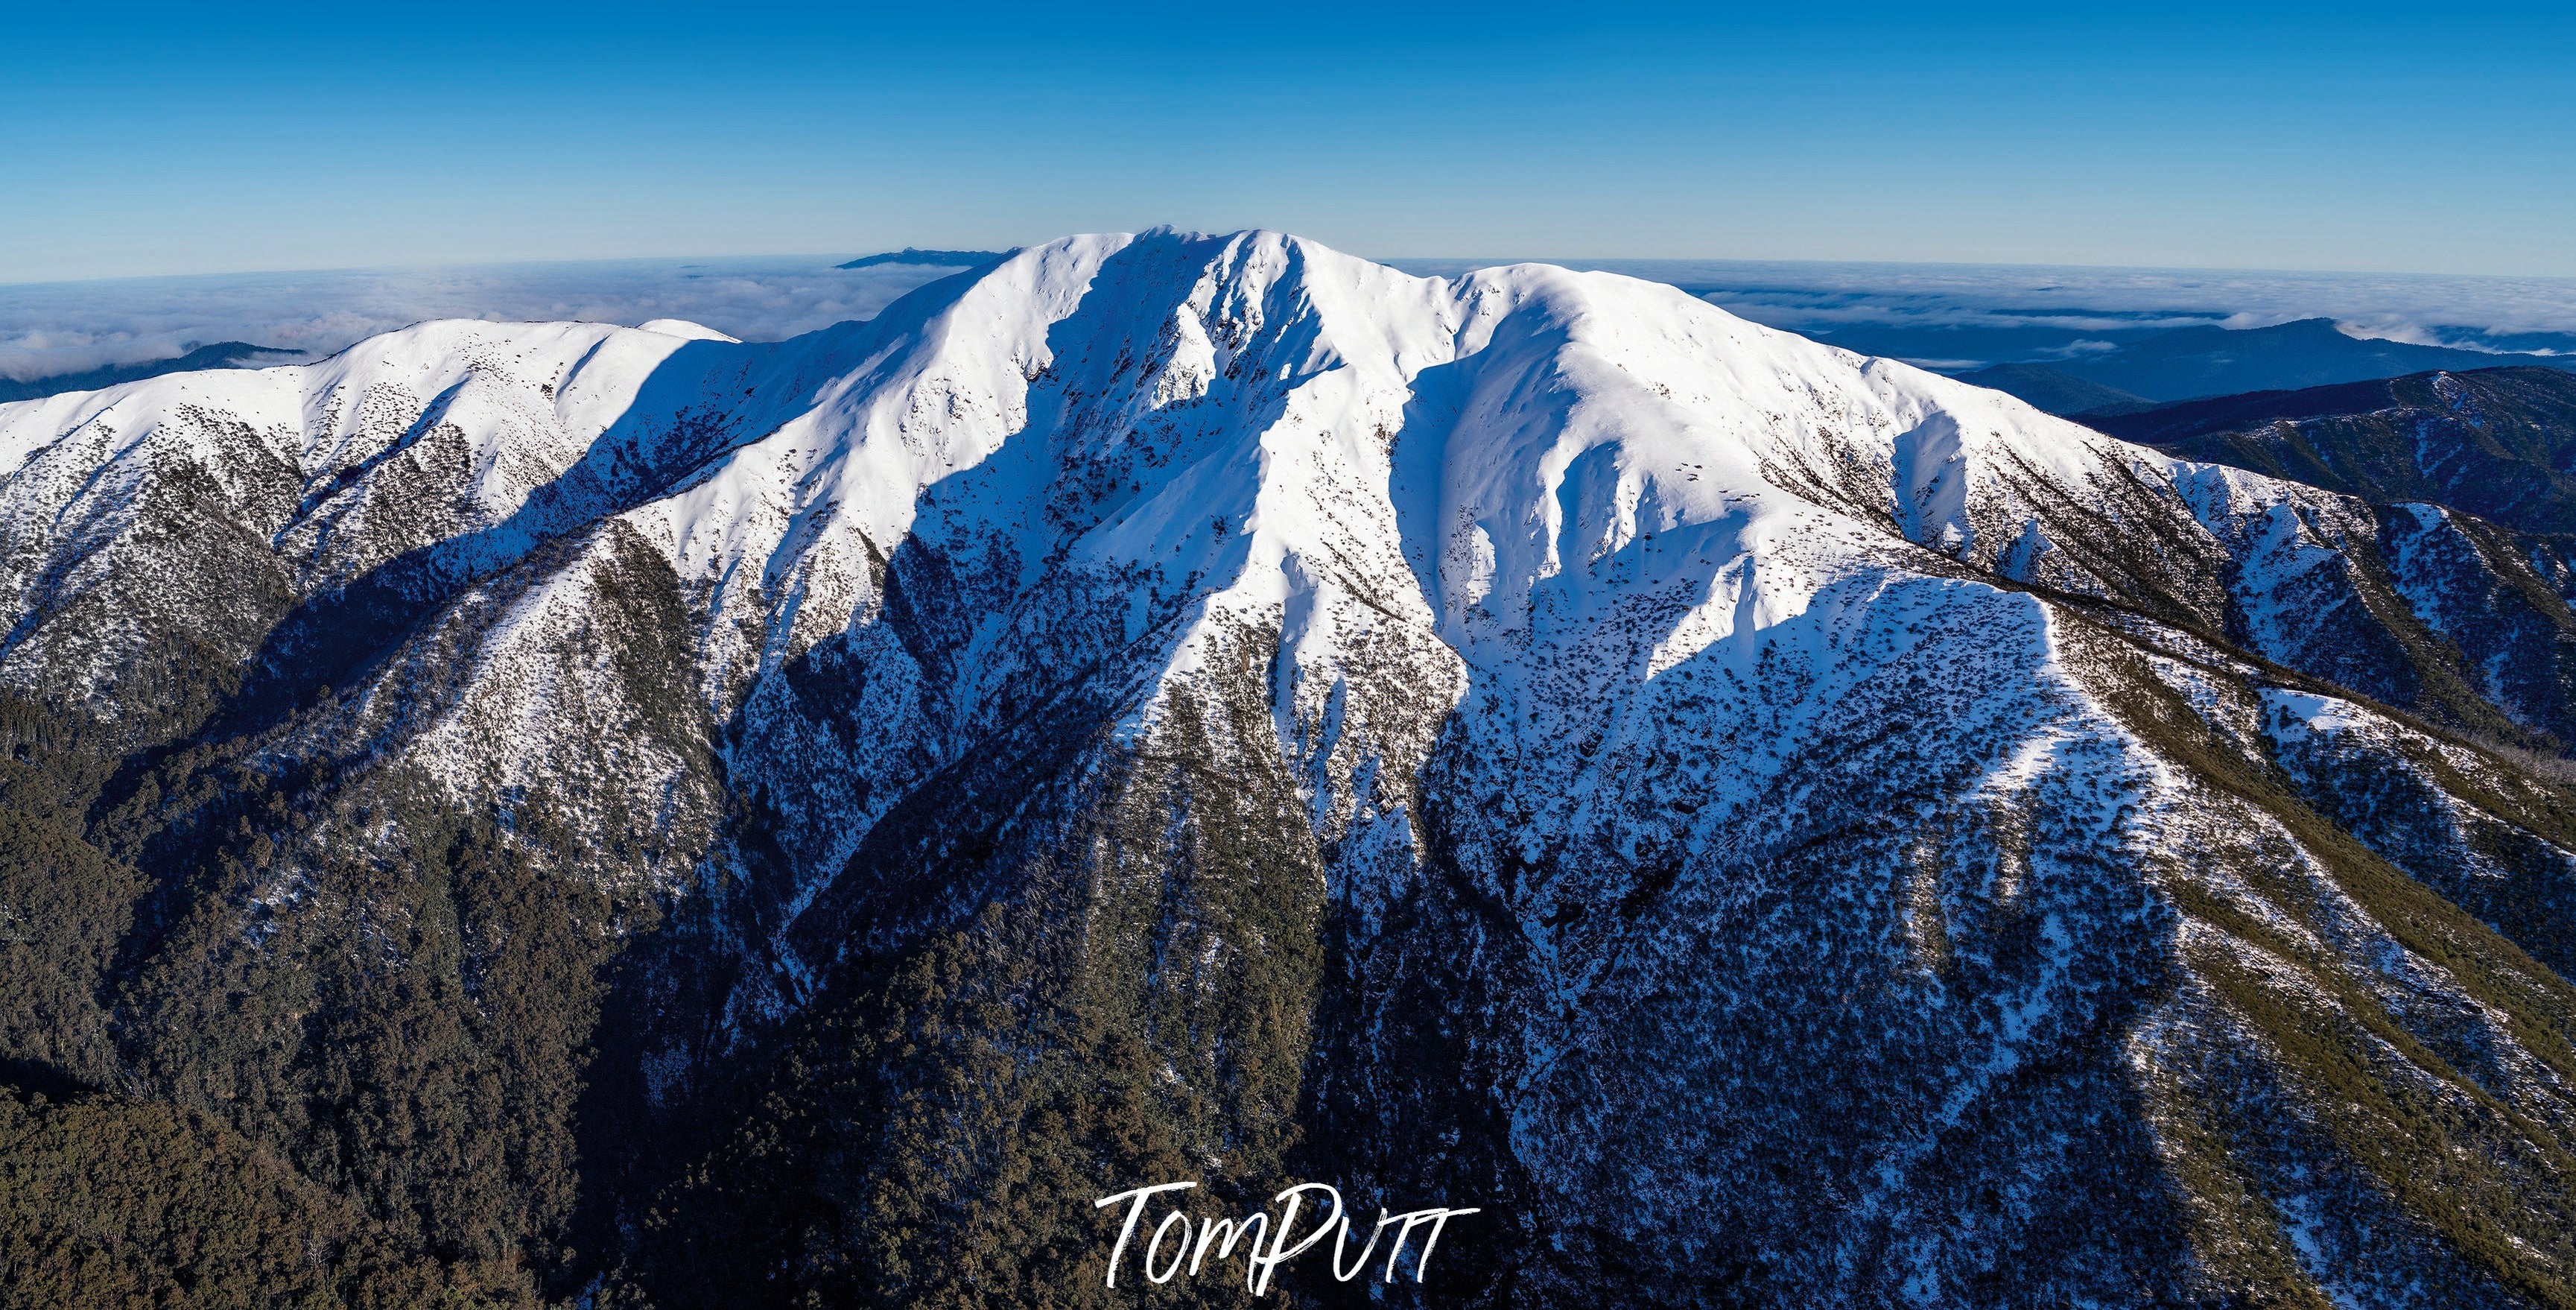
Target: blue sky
(136, 140)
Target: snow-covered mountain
(1764, 822)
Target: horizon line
(1464, 263)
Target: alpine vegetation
(630, 817)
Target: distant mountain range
(222, 354)
(2055, 389)
(2203, 360)
(931, 258)
(2495, 442)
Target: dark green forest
(392, 1092)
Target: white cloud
(2405, 307)
(62, 327)
(2080, 347)
(48, 328)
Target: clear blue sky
(221, 137)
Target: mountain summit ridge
(1211, 705)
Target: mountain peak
(1218, 692)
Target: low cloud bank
(2480, 313)
(49, 329)
(52, 328)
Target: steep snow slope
(1767, 821)
(194, 510)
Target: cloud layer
(2492, 313)
(63, 327)
(51, 328)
